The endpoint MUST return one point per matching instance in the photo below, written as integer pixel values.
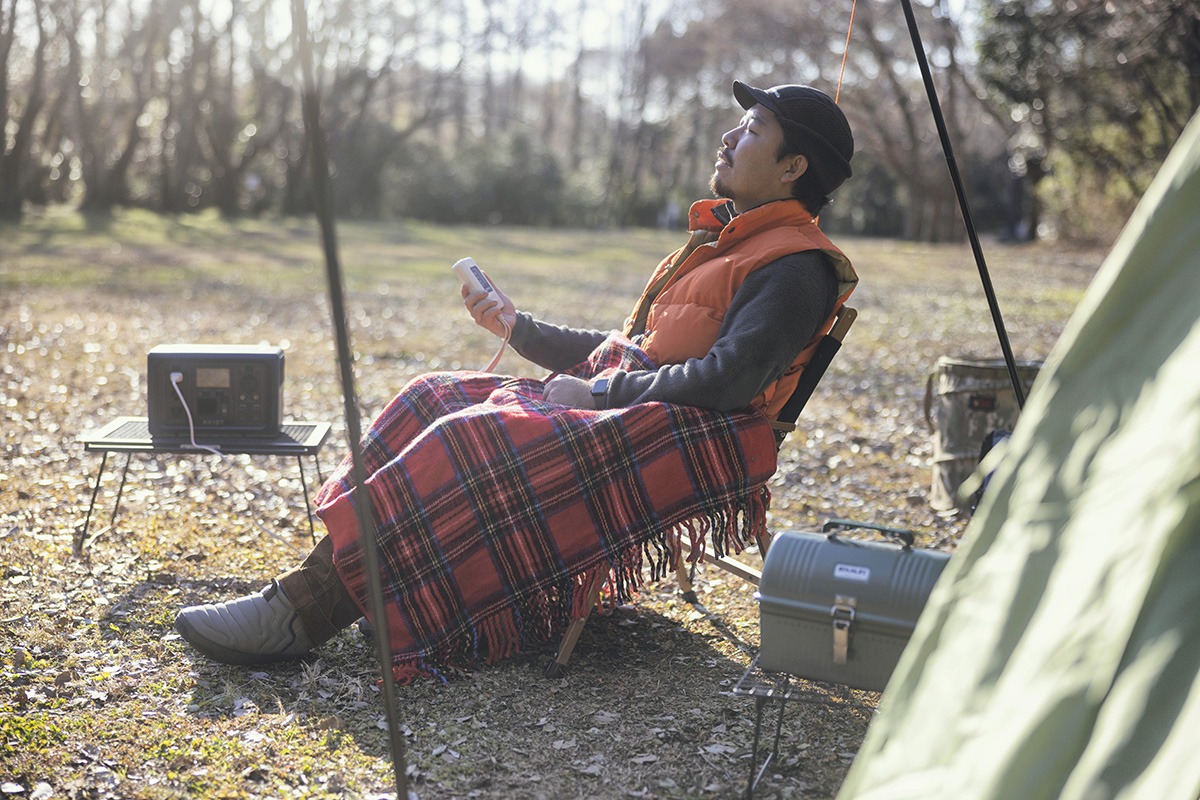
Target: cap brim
(749, 96)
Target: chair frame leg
(557, 668)
(684, 573)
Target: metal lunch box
(842, 610)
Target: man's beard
(719, 189)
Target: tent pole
(944, 135)
(323, 202)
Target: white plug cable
(496, 358)
(176, 379)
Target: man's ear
(797, 165)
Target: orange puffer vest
(681, 309)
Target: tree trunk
(14, 159)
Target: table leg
(120, 491)
(81, 537)
(779, 722)
(755, 770)
(307, 506)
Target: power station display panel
(225, 389)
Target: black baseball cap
(812, 123)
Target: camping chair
(785, 423)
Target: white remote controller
(473, 278)
(470, 274)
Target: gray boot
(256, 629)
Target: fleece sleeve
(555, 347)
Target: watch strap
(600, 392)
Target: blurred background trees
(588, 112)
(1096, 93)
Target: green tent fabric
(1059, 654)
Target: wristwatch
(600, 392)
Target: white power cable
(491, 367)
(176, 379)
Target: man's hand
(489, 314)
(565, 390)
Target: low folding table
(768, 687)
(131, 435)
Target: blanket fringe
(732, 530)
(543, 616)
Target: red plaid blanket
(495, 510)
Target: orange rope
(843, 73)
(845, 50)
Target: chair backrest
(826, 349)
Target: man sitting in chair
(498, 501)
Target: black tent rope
(323, 203)
(962, 202)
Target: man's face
(747, 170)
